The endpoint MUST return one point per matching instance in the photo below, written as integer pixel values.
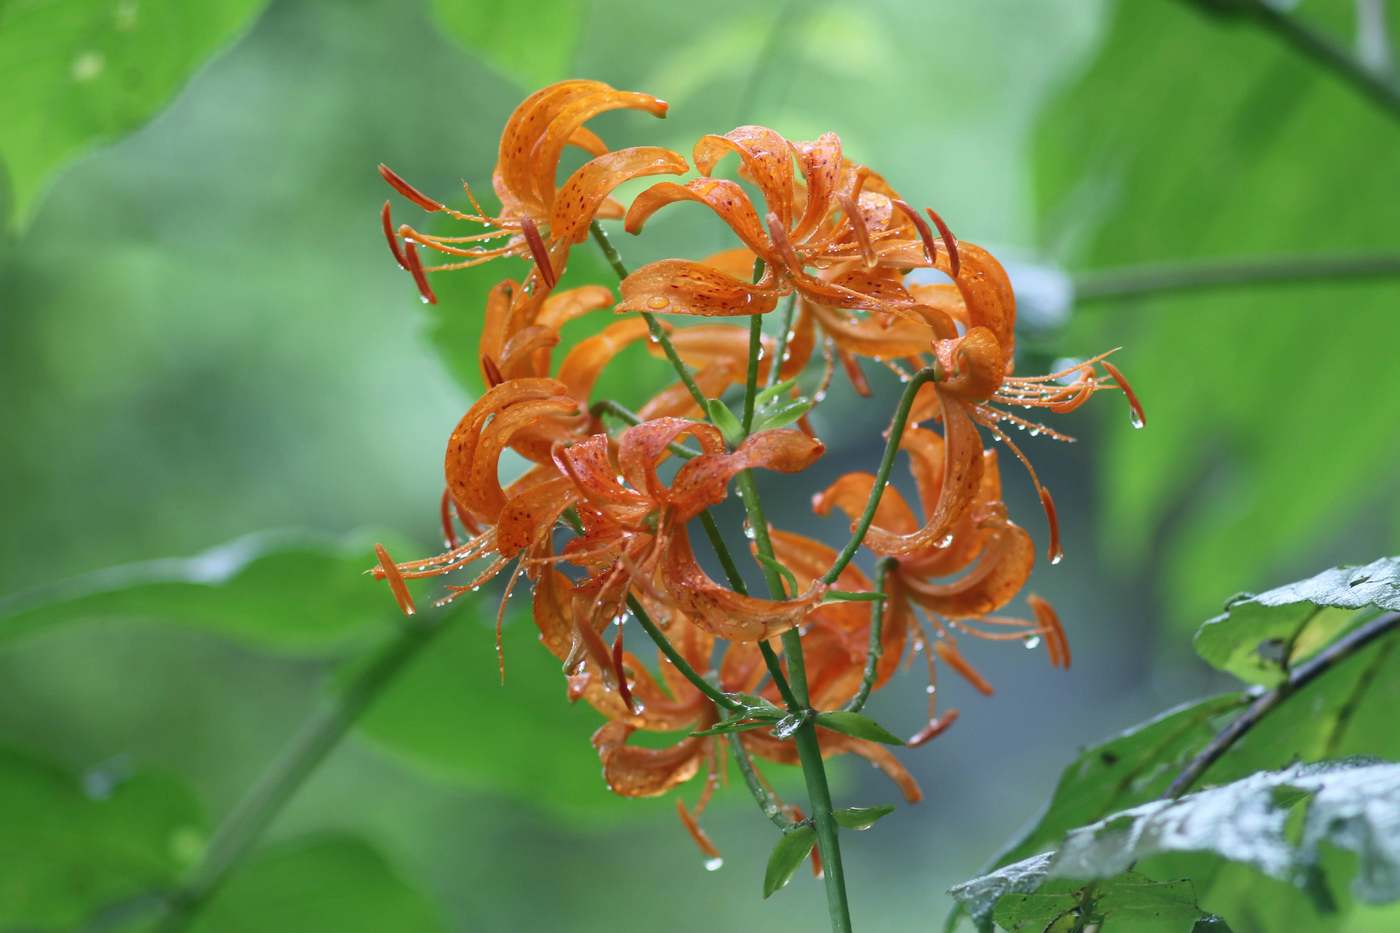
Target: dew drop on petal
(656, 302)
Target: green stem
(1167, 278)
(766, 803)
(751, 383)
(658, 333)
(876, 647)
(780, 348)
(882, 474)
(318, 737)
(689, 673)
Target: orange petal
(765, 159)
(1002, 569)
(702, 482)
(583, 364)
(871, 337)
(643, 447)
(719, 610)
(578, 199)
(677, 286)
(822, 166)
(850, 493)
(725, 198)
(645, 772)
(950, 655)
(528, 516)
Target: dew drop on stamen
(1031, 641)
(714, 864)
(930, 690)
(1135, 418)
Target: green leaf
(84, 72)
(1248, 461)
(780, 416)
(74, 845)
(449, 715)
(773, 392)
(1273, 822)
(792, 848)
(330, 883)
(530, 43)
(281, 591)
(1129, 901)
(859, 818)
(724, 419)
(862, 727)
(734, 725)
(1259, 637)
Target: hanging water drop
(1031, 641)
(714, 864)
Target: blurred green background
(202, 337)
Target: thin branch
(1166, 278)
(784, 334)
(876, 647)
(766, 803)
(675, 657)
(237, 834)
(1268, 701)
(882, 474)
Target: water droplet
(656, 302)
(1031, 641)
(748, 531)
(714, 864)
(930, 689)
(762, 354)
(88, 65)
(1035, 432)
(1057, 557)
(476, 588)
(1135, 418)
(424, 299)
(945, 541)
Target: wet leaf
(860, 726)
(84, 72)
(859, 818)
(1258, 638)
(787, 856)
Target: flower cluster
(601, 524)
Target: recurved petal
(462, 446)
(528, 515)
(822, 166)
(882, 340)
(850, 493)
(643, 447)
(973, 364)
(703, 481)
(719, 610)
(645, 772)
(765, 159)
(678, 286)
(579, 198)
(1002, 569)
(483, 493)
(588, 465)
(725, 198)
(526, 125)
(574, 113)
(584, 363)
(495, 325)
(962, 478)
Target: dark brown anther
(949, 242)
(1138, 418)
(853, 372)
(389, 235)
(420, 277)
(925, 234)
(492, 371)
(407, 190)
(933, 730)
(537, 250)
(622, 688)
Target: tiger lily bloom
(539, 219)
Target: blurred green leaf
(73, 845)
(333, 883)
(1273, 822)
(449, 714)
(725, 420)
(859, 818)
(281, 591)
(862, 727)
(792, 848)
(1264, 405)
(1259, 637)
(83, 72)
(530, 43)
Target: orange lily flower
(537, 219)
